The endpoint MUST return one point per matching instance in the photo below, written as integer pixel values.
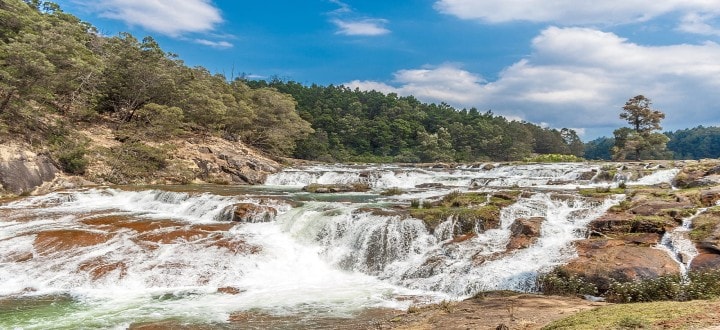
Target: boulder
(336, 188)
(706, 260)
(602, 260)
(249, 212)
(21, 172)
(524, 232)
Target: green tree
(640, 140)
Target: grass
(654, 315)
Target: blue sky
(560, 63)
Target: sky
(557, 63)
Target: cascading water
(111, 257)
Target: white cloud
(698, 24)
(572, 11)
(172, 18)
(363, 27)
(214, 44)
(579, 77)
(348, 24)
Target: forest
(58, 73)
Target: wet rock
(229, 290)
(488, 167)
(524, 232)
(602, 260)
(249, 212)
(430, 185)
(51, 241)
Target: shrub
(135, 160)
(560, 282)
(73, 160)
(666, 287)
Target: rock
(249, 212)
(22, 171)
(602, 260)
(488, 167)
(336, 188)
(710, 196)
(230, 290)
(610, 223)
(524, 232)
(706, 260)
(430, 185)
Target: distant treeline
(693, 143)
(355, 125)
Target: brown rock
(524, 232)
(706, 260)
(249, 212)
(62, 240)
(229, 290)
(602, 260)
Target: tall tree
(640, 140)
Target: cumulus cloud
(347, 22)
(570, 11)
(579, 77)
(172, 18)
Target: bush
(667, 287)
(697, 285)
(560, 282)
(135, 160)
(73, 161)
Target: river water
(118, 257)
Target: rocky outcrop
(216, 160)
(601, 261)
(524, 232)
(694, 174)
(22, 171)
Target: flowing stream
(115, 257)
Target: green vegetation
(660, 315)
(554, 158)
(560, 282)
(639, 140)
(355, 125)
(698, 285)
(470, 210)
(693, 143)
(57, 73)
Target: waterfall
(113, 257)
(678, 245)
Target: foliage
(369, 126)
(554, 158)
(135, 160)
(638, 141)
(695, 143)
(560, 282)
(703, 284)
